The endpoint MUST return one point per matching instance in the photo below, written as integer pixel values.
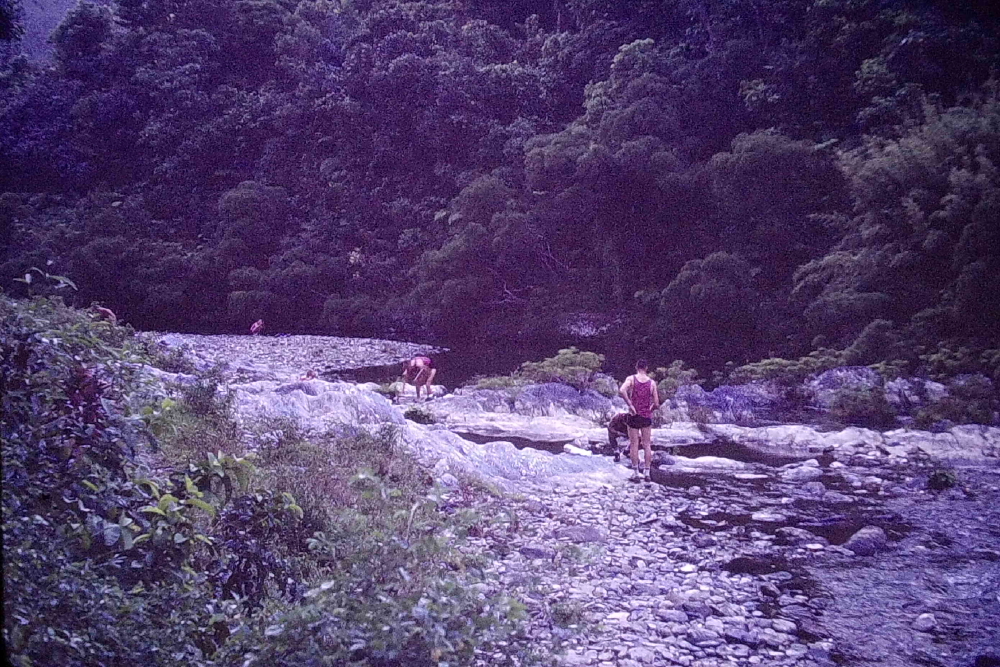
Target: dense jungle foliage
(143, 525)
(732, 179)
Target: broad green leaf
(200, 504)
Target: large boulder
(553, 399)
(325, 405)
(868, 541)
(315, 403)
(549, 399)
(907, 395)
(502, 464)
(747, 404)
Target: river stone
(925, 623)
(907, 395)
(642, 654)
(867, 541)
(814, 488)
(781, 625)
(768, 517)
(582, 534)
(794, 536)
(801, 474)
(672, 616)
(537, 551)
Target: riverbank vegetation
(142, 524)
(729, 181)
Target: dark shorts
(638, 421)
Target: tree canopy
(736, 180)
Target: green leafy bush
(570, 366)
(418, 415)
(513, 381)
(673, 377)
(199, 559)
(971, 400)
(86, 581)
(387, 599)
(941, 479)
(787, 372)
(862, 407)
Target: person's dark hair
(641, 365)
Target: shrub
(206, 563)
(788, 372)
(862, 407)
(570, 366)
(86, 578)
(512, 381)
(198, 418)
(567, 613)
(418, 415)
(941, 479)
(971, 400)
(673, 377)
(390, 601)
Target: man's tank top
(642, 397)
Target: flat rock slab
(290, 357)
(322, 405)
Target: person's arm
(656, 397)
(624, 393)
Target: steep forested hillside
(737, 178)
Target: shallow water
(462, 364)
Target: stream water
(463, 363)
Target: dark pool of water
(738, 452)
(520, 443)
(463, 363)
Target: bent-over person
(419, 371)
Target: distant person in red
(639, 392)
(106, 314)
(310, 375)
(256, 327)
(420, 372)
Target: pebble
(925, 623)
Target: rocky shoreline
(780, 546)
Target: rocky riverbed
(776, 546)
(250, 358)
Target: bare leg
(633, 448)
(647, 445)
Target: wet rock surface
(781, 545)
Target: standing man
(420, 372)
(639, 392)
(256, 327)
